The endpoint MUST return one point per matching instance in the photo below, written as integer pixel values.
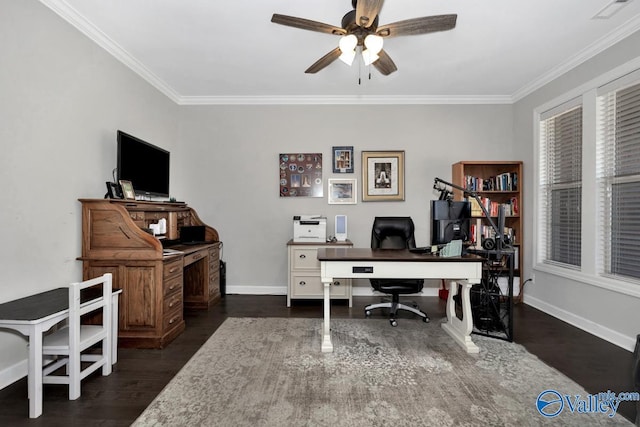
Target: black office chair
(395, 233)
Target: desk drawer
(172, 318)
(172, 268)
(196, 256)
(172, 301)
(171, 286)
(311, 286)
(304, 259)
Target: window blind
(560, 197)
(618, 170)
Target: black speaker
(223, 278)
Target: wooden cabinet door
(140, 292)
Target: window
(560, 196)
(618, 162)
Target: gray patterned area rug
(270, 372)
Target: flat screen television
(144, 164)
(450, 220)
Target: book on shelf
(476, 210)
(480, 231)
(507, 181)
(491, 206)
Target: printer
(309, 228)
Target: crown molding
(344, 100)
(595, 48)
(77, 20)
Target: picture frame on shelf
(342, 159)
(382, 176)
(127, 190)
(342, 191)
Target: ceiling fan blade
(385, 64)
(410, 27)
(324, 61)
(366, 12)
(307, 24)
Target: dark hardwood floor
(139, 375)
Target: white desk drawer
(305, 258)
(305, 286)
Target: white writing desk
(362, 263)
(32, 316)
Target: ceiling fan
(360, 29)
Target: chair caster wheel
(425, 319)
(367, 313)
(393, 322)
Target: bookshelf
(497, 183)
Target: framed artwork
(127, 190)
(301, 175)
(343, 191)
(382, 176)
(343, 159)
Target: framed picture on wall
(301, 175)
(343, 159)
(343, 191)
(127, 190)
(382, 176)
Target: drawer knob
(302, 283)
(336, 283)
(303, 256)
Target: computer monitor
(450, 220)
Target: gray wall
(61, 100)
(584, 302)
(232, 170)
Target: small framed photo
(382, 176)
(127, 190)
(343, 191)
(113, 190)
(343, 159)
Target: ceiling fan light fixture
(369, 57)
(348, 57)
(348, 43)
(373, 43)
(347, 46)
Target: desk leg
(34, 378)
(327, 346)
(460, 330)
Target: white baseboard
(623, 341)
(14, 373)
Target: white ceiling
(211, 51)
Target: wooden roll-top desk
(156, 285)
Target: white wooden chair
(67, 346)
